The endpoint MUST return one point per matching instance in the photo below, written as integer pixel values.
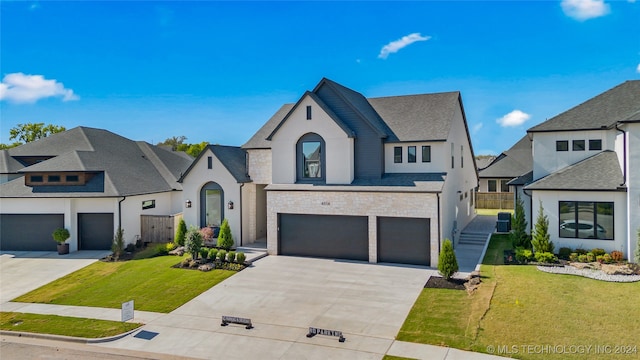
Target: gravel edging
(592, 274)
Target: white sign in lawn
(127, 311)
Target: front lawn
(152, 283)
(525, 313)
(63, 325)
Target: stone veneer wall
(260, 166)
(371, 204)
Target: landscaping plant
(60, 235)
(540, 240)
(213, 253)
(193, 241)
(207, 233)
(222, 255)
(240, 257)
(447, 262)
(231, 256)
(181, 232)
(118, 243)
(636, 256)
(519, 236)
(225, 240)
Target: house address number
(326, 203)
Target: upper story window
(461, 156)
(411, 154)
(310, 158)
(453, 159)
(426, 153)
(72, 178)
(308, 112)
(397, 154)
(148, 204)
(595, 144)
(53, 178)
(578, 145)
(562, 145)
(209, 162)
(36, 178)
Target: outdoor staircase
(472, 238)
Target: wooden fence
(494, 200)
(158, 228)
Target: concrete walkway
(470, 255)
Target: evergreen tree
(447, 263)
(540, 241)
(225, 240)
(193, 241)
(637, 253)
(180, 233)
(519, 237)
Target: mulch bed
(440, 283)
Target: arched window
(310, 159)
(211, 205)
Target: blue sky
(216, 71)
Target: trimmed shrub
(240, 258)
(636, 255)
(573, 257)
(213, 254)
(161, 249)
(524, 255)
(617, 255)
(607, 258)
(222, 254)
(60, 235)
(518, 236)
(207, 233)
(540, 240)
(564, 253)
(204, 253)
(545, 257)
(581, 251)
(598, 251)
(181, 232)
(600, 259)
(225, 240)
(447, 262)
(193, 241)
(170, 246)
(591, 257)
(582, 258)
(231, 256)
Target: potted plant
(61, 235)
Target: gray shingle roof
(523, 179)
(233, 158)
(8, 165)
(425, 117)
(512, 163)
(129, 167)
(600, 172)
(619, 104)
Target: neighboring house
(494, 191)
(90, 181)
(338, 175)
(586, 172)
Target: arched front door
(211, 205)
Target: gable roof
(619, 104)
(425, 117)
(233, 158)
(511, 163)
(600, 172)
(129, 167)
(8, 165)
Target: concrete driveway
(23, 271)
(284, 296)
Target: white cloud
(638, 69)
(585, 9)
(395, 46)
(476, 128)
(21, 88)
(514, 118)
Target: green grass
(391, 357)
(63, 325)
(519, 305)
(152, 283)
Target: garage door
(95, 231)
(404, 240)
(327, 236)
(29, 232)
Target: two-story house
(90, 181)
(586, 172)
(339, 175)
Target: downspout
(530, 208)
(120, 212)
(624, 155)
(439, 226)
(241, 224)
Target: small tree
(118, 243)
(540, 241)
(519, 237)
(193, 241)
(180, 233)
(447, 262)
(225, 240)
(60, 235)
(636, 256)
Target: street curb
(67, 338)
